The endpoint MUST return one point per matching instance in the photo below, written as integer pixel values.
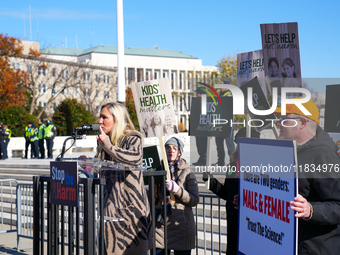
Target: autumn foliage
(130, 104)
(228, 69)
(13, 82)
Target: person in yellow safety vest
(41, 136)
(8, 134)
(50, 134)
(34, 142)
(27, 135)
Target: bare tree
(52, 80)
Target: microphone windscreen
(95, 127)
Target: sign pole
(166, 164)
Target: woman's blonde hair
(123, 123)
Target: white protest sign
(155, 111)
(267, 184)
(250, 65)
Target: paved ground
(8, 243)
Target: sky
(208, 30)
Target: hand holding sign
(301, 206)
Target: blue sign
(64, 183)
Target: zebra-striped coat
(133, 235)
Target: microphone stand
(63, 150)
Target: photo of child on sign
(155, 112)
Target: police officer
(27, 135)
(50, 134)
(2, 142)
(41, 136)
(8, 134)
(34, 142)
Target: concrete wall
(16, 147)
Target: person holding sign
(229, 190)
(317, 205)
(181, 223)
(119, 141)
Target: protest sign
(250, 65)
(281, 52)
(210, 124)
(266, 186)
(332, 109)
(259, 103)
(64, 183)
(155, 111)
(151, 162)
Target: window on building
(188, 82)
(87, 93)
(131, 75)
(41, 88)
(146, 76)
(180, 81)
(76, 93)
(181, 104)
(140, 75)
(29, 68)
(163, 75)
(54, 106)
(106, 79)
(97, 77)
(86, 76)
(54, 72)
(54, 89)
(97, 93)
(155, 75)
(76, 75)
(42, 71)
(172, 81)
(15, 66)
(106, 94)
(66, 74)
(189, 102)
(87, 107)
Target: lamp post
(120, 53)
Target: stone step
(25, 171)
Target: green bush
(17, 118)
(70, 114)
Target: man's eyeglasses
(292, 118)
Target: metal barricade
(8, 198)
(62, 226)
(51, 223)
(24, 215)
(208, 216)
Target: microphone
(84, 129)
